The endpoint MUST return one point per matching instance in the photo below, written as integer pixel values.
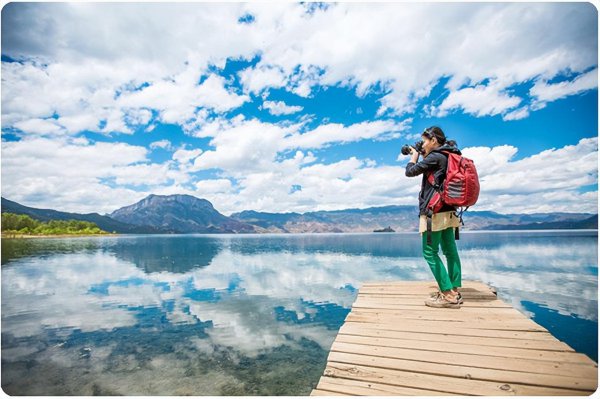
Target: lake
(245, 314)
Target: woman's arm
(428, 163)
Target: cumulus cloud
(546, 182)
(546, 92)
(164, 144)
(93, 69)
(214, 186)
(280, 108)
(89, 76)
(480, 100)
(337, 133)
(258, 79)
(76, 175)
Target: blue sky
(295, 107)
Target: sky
(296, 107)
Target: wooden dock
(392, 344)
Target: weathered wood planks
(392, 344)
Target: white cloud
(332, 133)
(95, 76)
(214, 186)
(39, 126)
(520, 113)
(185, 156)
(280, 108)
(480, 100)
(164, 144)
(95, 69)
(257, 79)
(545, 182)
(546, 92)
(70, 175)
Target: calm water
(245, 315)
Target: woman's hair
(438, 133)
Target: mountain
(400, 218)
(104, 222)
(180, 214)
(589, 223)
(405, 218)
(187, 214)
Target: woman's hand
(414, 155)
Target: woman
(442, 223)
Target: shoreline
(58, 235)
(288, 234)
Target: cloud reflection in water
(220, 315)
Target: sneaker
(459, 297)
(441, 302)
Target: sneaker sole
(443, 306)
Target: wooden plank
(467, 284)
(555, 356)
(467, 332)
(463, 311)
(492, 362)
(392, 344)
(427, 325)
(420, 307)
(460, 386)
(319, 392)
(361, 330)
(414, 293)
(370, 388)
(475, 373)
(418, 300)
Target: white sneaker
(440, 301)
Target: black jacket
(435, 162)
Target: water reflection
(243, 315)
(157, 254)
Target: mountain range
(157, 214)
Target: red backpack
(460, 188)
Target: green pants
(446, 279)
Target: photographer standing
(437, 228)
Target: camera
(418, 146)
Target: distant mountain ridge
(180, 214)
(188, 214)
(405, 218)
(104, 222)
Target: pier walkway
(392, 344)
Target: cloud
(332, 133)
(280, 108)
(98, 77)
(92, 69)
(74, 176)
(258, 79)
(184, 156)
(546, 92)
(39, 126)
(480, 100)
(164, 144)
(83, 176)
(214, 186)
(517, 114)
(546, 182)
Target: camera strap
(429, 225)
